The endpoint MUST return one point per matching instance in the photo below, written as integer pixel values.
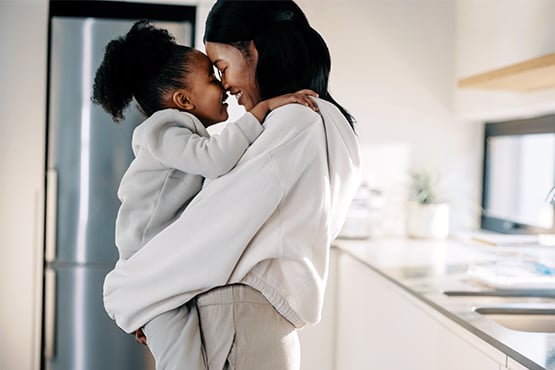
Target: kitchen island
(406, 303)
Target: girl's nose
(220, 85)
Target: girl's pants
(174, 340)
(232, 327)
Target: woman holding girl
(250, 253)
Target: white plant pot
(430, 221)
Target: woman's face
(237, 71)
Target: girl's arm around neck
(181, 148)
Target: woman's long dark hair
(143, 64)
(291, 54)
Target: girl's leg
(174, 340)
(242, 331)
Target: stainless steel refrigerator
(86, 158)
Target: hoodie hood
(343, 162)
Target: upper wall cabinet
(532, 74)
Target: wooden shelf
(533, 74)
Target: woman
(253, 245)
(175, 86)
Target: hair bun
(147, 49)
(129, 62)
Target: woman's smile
(238, 95)
(237, 71)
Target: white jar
(364, 217)
(429, 221)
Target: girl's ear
(182, 101)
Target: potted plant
(427, 214)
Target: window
(519, 171)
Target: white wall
(496, 33)
(393, 67)
(22, 117)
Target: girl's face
(205, 94)
(237, 71)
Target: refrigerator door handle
(51, 214)
(49, 313)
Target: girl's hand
(303, 97)
(140, 337)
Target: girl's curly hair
(143, 64)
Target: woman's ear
(182, 101)
(252, 52)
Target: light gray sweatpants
(174, 340)
(241, 330)
(232, 327)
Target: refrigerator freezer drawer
(81, 335)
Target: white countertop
(427, 268)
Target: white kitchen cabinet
(513, 365)
(380, 326)
(318, 342)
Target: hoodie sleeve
(202, 248)
(198, 251)
(209, 157)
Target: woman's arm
(201, 249)
(198, 251)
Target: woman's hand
(303, 97)
(140, 336)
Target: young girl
(176, 88)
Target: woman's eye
(219, 73)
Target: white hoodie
(173, 153)
(268, 223)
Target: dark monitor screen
(518, 172)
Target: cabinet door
(380, 327)
(318, 341)
(513, 365)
